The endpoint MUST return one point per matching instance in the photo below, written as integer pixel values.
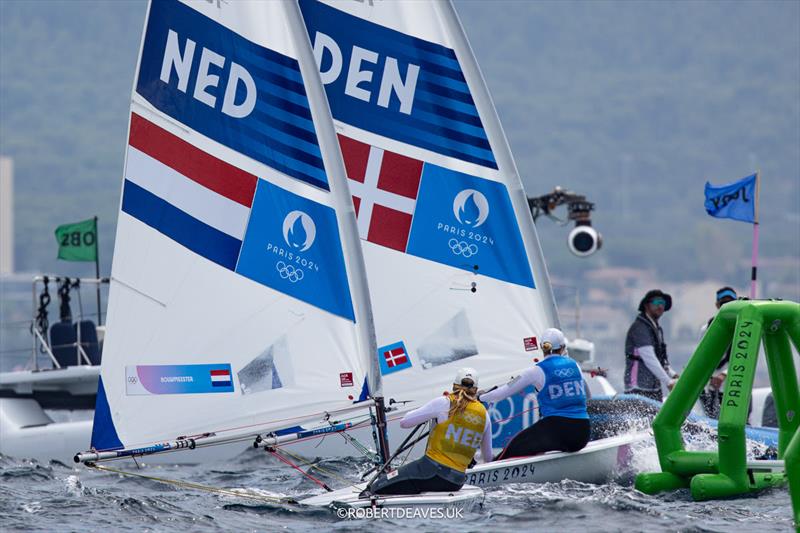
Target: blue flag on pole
(736, 200)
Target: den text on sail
(361, 70)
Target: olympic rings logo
(462, 248)
(563, 372)
(471, 419)
(289, 272)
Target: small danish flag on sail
(385, 187)
(221, 378)
(393, 357)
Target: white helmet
(466, 373)
(555, 338)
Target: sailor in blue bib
(563, 423)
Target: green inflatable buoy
(743, 325)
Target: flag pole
(97, 269)
(754, 271)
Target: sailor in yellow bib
(462, 427)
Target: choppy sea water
(59, 497)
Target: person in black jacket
(646, 363)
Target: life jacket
(564, 392)
(453, 442)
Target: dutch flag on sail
(187, 194)
(231, 217)
(221, 378)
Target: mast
(346, 218)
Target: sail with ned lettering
(238, 300)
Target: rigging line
(309, 476)
(356, 425)
(195, 486)
(403, 446)
(516, 415)
(405, 457)
(322, 415)
(317, 467)
(247, 438)
(366, 452)
(268, 423)
(413, 444)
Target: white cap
(466, 373)
(555, 338)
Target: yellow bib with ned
(454, 441)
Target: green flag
(78, 241)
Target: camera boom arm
(578, 207)
(583, 240)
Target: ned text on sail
(210, 66)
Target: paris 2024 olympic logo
(471, 209)
(299, 233)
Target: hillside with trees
(635, 104)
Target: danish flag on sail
(385, 187)
(395, 357)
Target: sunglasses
(658, 301)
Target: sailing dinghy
(238, 309)
(456, 272)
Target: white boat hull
(27, 432)
(464, 499)
(597, 463)
(34, 437)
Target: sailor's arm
(671, 372)
(648, 356)
(530, 376)
(430, 410)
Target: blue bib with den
(564, 392)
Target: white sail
(455, 269)
(238, 298)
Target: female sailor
(563, 423)
(462, 426)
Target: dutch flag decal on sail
(187, 194)
(221, 378)
(234, 219)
